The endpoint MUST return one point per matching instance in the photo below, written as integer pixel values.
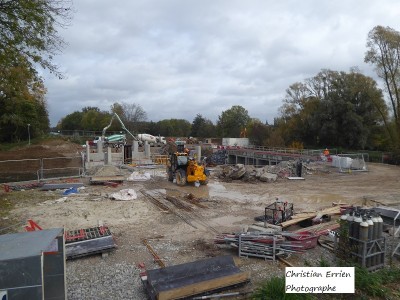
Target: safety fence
(40, 168)
(160, 159)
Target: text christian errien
(328, 274)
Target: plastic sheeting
(124, 195)
(139, 176)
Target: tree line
(333, 108)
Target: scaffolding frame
(278, 212)
(256, 249)
(389, 213)
(369, 254)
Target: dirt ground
(187, 236)
(55, 147)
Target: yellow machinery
(184, 169)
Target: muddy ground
(187, 236)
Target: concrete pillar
(198, 153)
(146, 149)
(109, 156)
(99, 146)
(135, 148)
(87, 151)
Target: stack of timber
(321, 229)
(310, 215)
(194, 278)
(106, 179)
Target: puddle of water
(211, 190)
(321, 198)
(198, 192)
(218, 190)
(216, 187)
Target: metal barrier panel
(36, 169)
(62, 162)
(59, 173)
(19, 170)
(56, 167)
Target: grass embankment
(382, 284)
(6, 205)
(10, 222)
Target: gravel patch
(96, 278)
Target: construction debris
(60, 186)
(157, 259)
(124, 195)
(194, 278)
(217, 158)
(248, 173)
(20, 187)
(106, 179)
(268, 245)
(72, 190)
(296, 218)
(139, 176)
(83, 242)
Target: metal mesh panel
(19, 170)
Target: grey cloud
(205, 56)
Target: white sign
(319, 280)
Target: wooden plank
(304, 215)
(318, 227)
(296, 219)
(204, 286)
(267, 225)
(98, 179)
(296, 178)
(285, 262)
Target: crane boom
(115, 115)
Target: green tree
(22, 100)
(174, 127)
(28, 28)
(258, 133)
(71, 121)
(383, 52)
(333, 109)
(202, 127)
(28, 35)
(232, 121)
(95, 120)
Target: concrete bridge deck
(260, 156)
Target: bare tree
(130, 113)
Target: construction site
(198, 221)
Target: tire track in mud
(185, 213)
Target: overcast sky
(178, 58)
